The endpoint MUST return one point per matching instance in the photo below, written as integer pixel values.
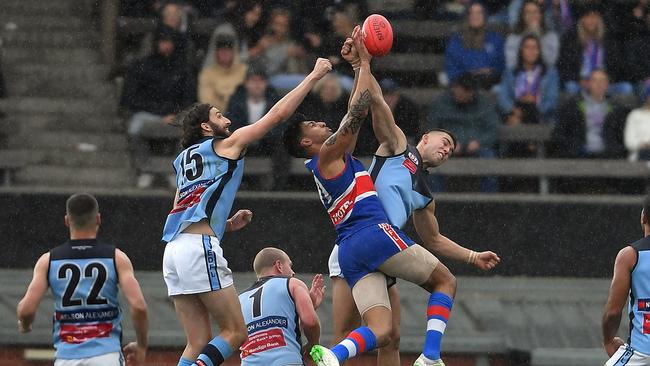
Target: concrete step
(68, 140)
(57, 7)
(47, 88)
(46, 105)
(59, 72)
(53, 122)
(64, 176)
(78, 56)
(79, 158)
(20, 20)
(49, 40)
(109, 159)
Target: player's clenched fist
(322, 67)
(487, 260)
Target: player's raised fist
(321, 68)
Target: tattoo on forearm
(353, 119)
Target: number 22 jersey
(207, 184)
(87, 315)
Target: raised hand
(349, 53)
(317, 290)
(487, 260)
(357, 37)
(240, 219)
(321, 68)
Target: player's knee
(197, 341)
(393, 343)
(239, 337)
(383, 333)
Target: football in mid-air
(378, 35)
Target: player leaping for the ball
(369, 246)
(208, 173)
(399, 172)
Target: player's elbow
(610, 315)
(138, 308)
(310, 321)
(24, 311)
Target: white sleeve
(633, 135)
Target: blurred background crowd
(581, 67)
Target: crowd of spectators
(577, 65)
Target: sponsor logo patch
(74, 333)
(263, 341)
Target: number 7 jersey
(207, 184)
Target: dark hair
(520, 26)
(190, 121)
(453, 137)
(520, 58)
(466, 81)
(292, 136)
(646, 208)
(81, 208)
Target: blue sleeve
(505, 92)
(551, 92)
(453, 55)
(498, 62)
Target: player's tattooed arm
(353, 119)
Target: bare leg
(195, 320)
(224, 307)
(389, 355)
(345, 315)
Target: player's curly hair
(190, 121)
(292, 136)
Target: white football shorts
(627, 356)
(108, 359)
(193, 264)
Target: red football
(378, 35)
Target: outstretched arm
(391, 138)
(282, 110)
(427, 228)
(27, 307)
(618, 292)
(333, 150)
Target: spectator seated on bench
(473, 119)
(590, 126)
(155, 89)
(249, 104)
(528, 93)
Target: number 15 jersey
(207, 184)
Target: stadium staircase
(61, 118)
